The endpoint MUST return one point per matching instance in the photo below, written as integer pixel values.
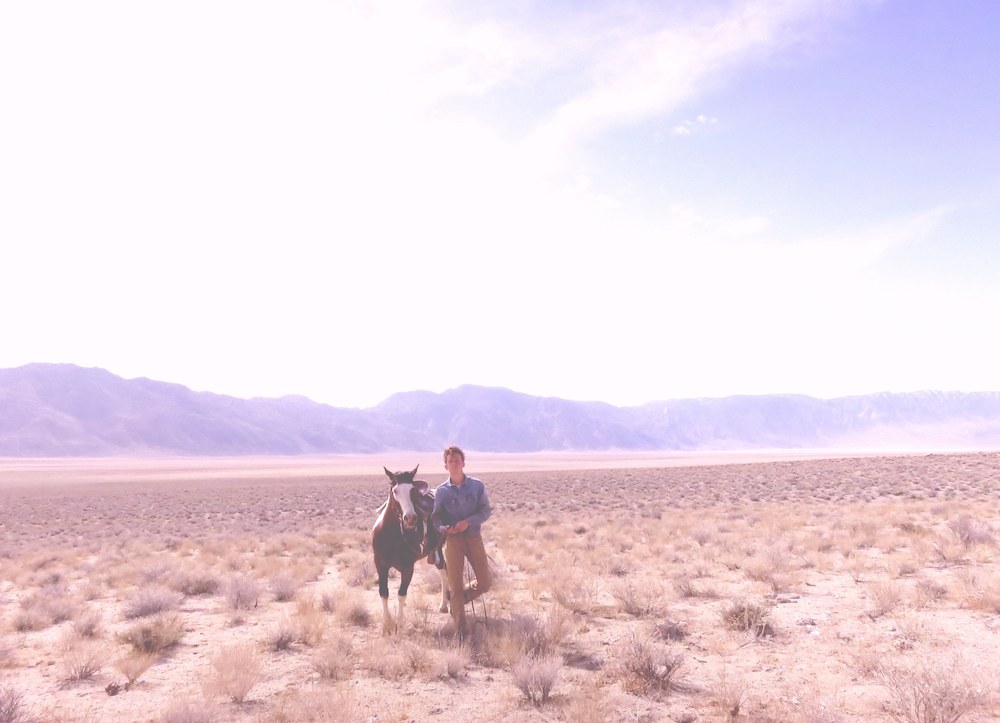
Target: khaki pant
(457, 549)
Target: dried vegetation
(821, 590)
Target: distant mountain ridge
(65, 410)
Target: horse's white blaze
(401, 493)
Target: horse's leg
(383, 592)
(404, 585)
(445, 590)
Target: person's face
(454, 464)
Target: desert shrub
(535, 676)
(87, 624)
(188, 712)
(928, 591)
(982, 592)
(242, 592)
(234, 671)
(590, 704)
(351, 609)
(312, 624)
(315, 706)
(12, 708)
(153, 635)
(669, 630)
(645, 667)
(150, 601)
(282, 635)
(133, 666)
(729, 692)
(971, 532)
(639, 600)
(284, 586)
(82, 662)
(334, 660)
(195, 582)
(573, 591)
(454, 661)
(939, 690)
(885, 595)
(686, 587)
(30, 619)
(747, 616)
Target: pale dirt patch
(831, 528)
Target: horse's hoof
(443, 608)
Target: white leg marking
(401, 613)
(444, 590)
(387, 624)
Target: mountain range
(53, 410)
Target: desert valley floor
(627, 588)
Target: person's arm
(483, 511)
(439, 517)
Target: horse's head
(401, 486)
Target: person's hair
(453, 450)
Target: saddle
(423, 502)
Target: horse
(398, 541)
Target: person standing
(461, 506)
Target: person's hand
(459, 527)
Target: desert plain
(627, 587)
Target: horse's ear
(414, 472)
(388, 473)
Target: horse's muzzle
(409, 521)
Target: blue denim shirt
(453, 503)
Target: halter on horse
(398, 542)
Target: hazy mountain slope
(61, 409)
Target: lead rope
(468, 583)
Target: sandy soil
(856, 568)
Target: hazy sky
(617, 201)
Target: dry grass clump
(194, 582)
(83, 661)
(133, 666)
(642, 599)
(12, 708)
(284, 633)
(970, 532)
(151, 601)
(535, 676)
(522, 635)
(49, 605)
(284, 586)
(885, 596)
(935, 690)
(981, 591)
(574, 591)
(315, 706)
(188, 712)
(312, 623)
(645, 667)
(88, 623)
(234, 671)
(242, 592)
(750, 617)
(334, 660)
(350, 608)
(153, 635)
(729, 693)
(684, 586)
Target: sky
(611, 201)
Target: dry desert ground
(627, 588)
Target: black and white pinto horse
(399, 540)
